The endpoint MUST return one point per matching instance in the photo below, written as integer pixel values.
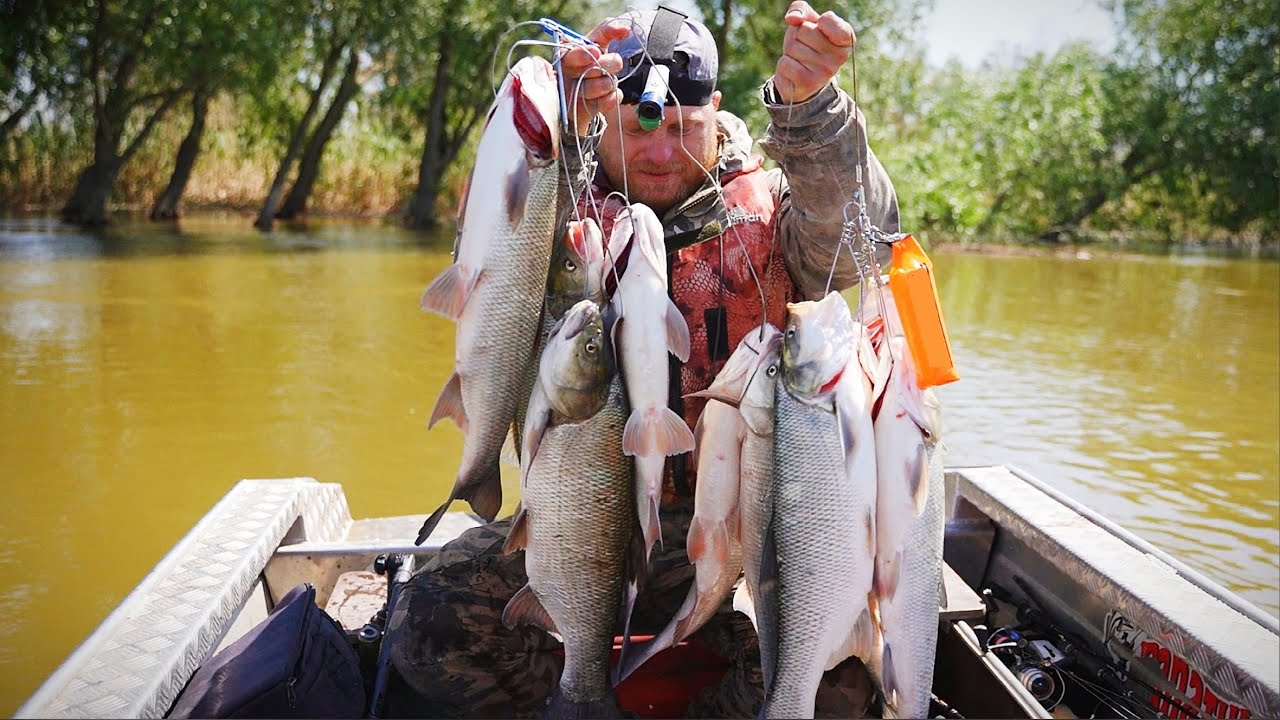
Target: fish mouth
(732, 381)
(578, 318)
(730, 395)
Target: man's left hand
(813, 49)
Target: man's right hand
(597, 92)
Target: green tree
(128, 61)
(237, 46)
(459, 43)
(749, 37)
(1191, 110)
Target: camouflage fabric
(453, 657)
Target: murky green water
(146, 371)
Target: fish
(822, 524)
(747, 382)
(909, 530)
(495, 287)
(577, 523)
(576, 273)
(646, 327)
(816, 357)
(713, 544)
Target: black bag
(295, 664)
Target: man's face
(659, 172)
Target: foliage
(1172, 134)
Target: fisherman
(741, 243)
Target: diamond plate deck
(138, 659)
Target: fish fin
(656, 430)
(449, 404)
(640, 654)
(449, 292)
(652, 521)
(918, 477)
(848, 432)
(706, 538)
(870, 361)
(485, 493)
(888, 569)
(888, 678)
(931, 414)
(698, 428)
(429, 526)
(518, 535)
(698, 540)
(864, 637)
(766, 612)
(515, 192)
(637, 563)
(525, 608)
(743, 603)
(510, 453)
(560, 707)
(536, 419)
(677, 333)
(885, 373)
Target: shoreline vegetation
(283, 110)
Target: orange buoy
(916, 295)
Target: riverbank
(1084, 248)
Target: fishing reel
(1035, 663)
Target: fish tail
(429, 526)
(562, 708)
(484, 492)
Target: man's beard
(680, 182)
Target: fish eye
(590, 348)
(771, 370)
(570, 265)
(791, 332)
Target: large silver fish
(647, 326)
(820, 540)
(496, 284)
(578, 520)
(713, 543)
(576, 273)
(909, 529)
(748, 380)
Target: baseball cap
(671, 38)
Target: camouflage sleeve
(819, 143)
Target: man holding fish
(740, 244)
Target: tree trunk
(166, 206)
(722, 32)
(11, 123)
(309, 166)
(422, 205)
(1060, 230)
(268, 212)
(88, 203)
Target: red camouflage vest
(712, 284)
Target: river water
(144, 370)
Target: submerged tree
(241, 45)
(122, 66)
(461, 43)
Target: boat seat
(959, 601)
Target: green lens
(649, 124)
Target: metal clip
(553, 28)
